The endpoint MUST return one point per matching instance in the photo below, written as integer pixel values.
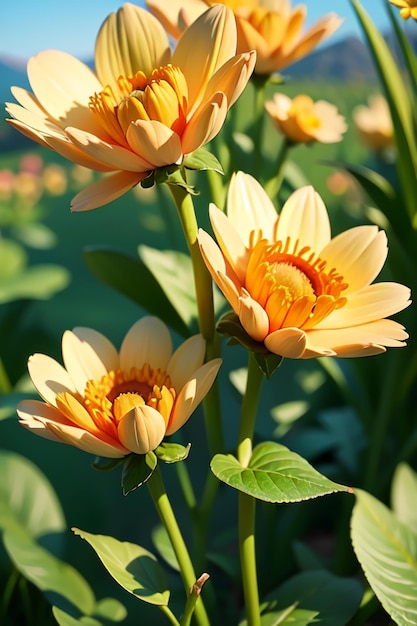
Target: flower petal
(287, 342)
(81, 361)
(205, 124)
(130, 40)
(249, 207)
(141, 429)
(105, 190)
(63, 86)
(358, 254)
(34, 415)
(102, 346)
(204, 47)
(232, 77)
(86, 441)
(304, 218)
(186, 360)
(49, 377)
(232, 246)
(156, 144)
(364, 340)
(371, 303)
(192, 394)
(148, 341)
(253, 318)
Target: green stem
(166, 514)
(205, 306)
(247, 503)
(170, 615)
(5, 384)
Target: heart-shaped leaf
(172, 452)
(387, 551)
(133, 567)
(274, 474)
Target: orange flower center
(293, 286)
(162, 96)
(109, 399)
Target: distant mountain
(346, 61)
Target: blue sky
(28, 26)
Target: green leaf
(27, 498)
(173, 273)
(406, 48)
(202, 159)
(132, 278)
(312, 597)
(387, 551)
(400, 107)
(404, 495)
(172, 452)
(36, 236)
(268, 362)
(133, 567)
(40, 283)
(13, 259)
(101, 464)
(64, 619)
(51, 575)
(274, 474)
(137, 469)
(110, 609)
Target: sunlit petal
(147, 341)
(105, 190)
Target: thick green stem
(247, 503)
(166, 514)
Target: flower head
(145, 108)
(271, 27)
(374, 123)
(408, 8)
(302, 120)
(296, 290)
(111, 403)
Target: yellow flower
(303, 120)
(374, 124)
(146, 108)
(408, 8)
(293, 287)
(271, 27)
(111, 403)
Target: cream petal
(169, 13)
(205, 124)
(204, 47)
(81, 361)
(358, 254)
(232, 78)
(192, 394)
(34, 135)
(130, 40)
(148, 341)
(102, 346)
(230, 242)
(278, 107)
(304, 218)
(141, 429)
(371, 303)
(322, 29)
(67, 149)
(35, 415)
(35, 121)
(155, 143)
(253, 318)
(287, 342)
(249, 207)
(87, 442)
(49, 377)
(105, 190)
(188, 357)
(364, 340)
(217, 267)
(114, 156)
(28, 101)
(63, 85)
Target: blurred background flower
(373, 124)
